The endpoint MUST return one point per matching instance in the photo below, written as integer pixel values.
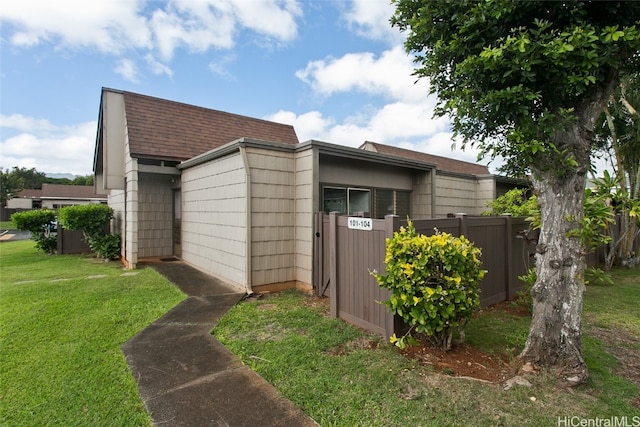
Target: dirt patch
(510, 307)
(360, 343)
(322, 303)
(625, 348)
(462, 360)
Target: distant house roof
(29, 193)
(442, 163)
(60, 191)
(169, 130)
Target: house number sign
(357, 223)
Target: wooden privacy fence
(345, 257)
(71, 242)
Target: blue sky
(335, 70)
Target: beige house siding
(155, 215)
(131, 208)
(486, 192)
(121, 176)
(273, 216)
(214, 218)
(305, 199)
(19, 203)
(115, 201)
(421, 207)
(455, 195)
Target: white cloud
(109, 26)
(157, 67)
(219, 66)
(370, 19)
(47, 147)
(388, 75)
(310, 125)
(24, 123)
(127, 69)
(145, 27)
(200, 25)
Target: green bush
(92, 220)
(106, 246)
(433, 282)
(40, 222)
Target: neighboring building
(235, 196)
(54, 196)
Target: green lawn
(6, 225)
(64, 318)
(62, 322)
(322, 365)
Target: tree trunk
(555, 334)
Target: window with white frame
(368, 202)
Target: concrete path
(187, 378)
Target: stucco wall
(214, 218)
(155, 215)
(273, 216)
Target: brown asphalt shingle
(169, 130)
(69, 191)
(442, 163)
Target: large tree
(18, 179)
(527, 81)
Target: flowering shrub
(433, 282)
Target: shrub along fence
(348, 249)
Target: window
(375, 203)
(385, 204)
(351, 201)
(403, 204)
(334, 200)
(392, 202)
(359, 202)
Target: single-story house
(235, 196)
(54, 196)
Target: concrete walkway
(187, 378)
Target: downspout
(248, 234)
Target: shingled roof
(444, 164)
(169, 130)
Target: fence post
(509, 258)
(462, 217)
(392, 223)
(59, 240)
(333, 266)
(317, 256)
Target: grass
(6, 225)
(62, 322)
(322, 365)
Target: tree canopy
(528, 81)
(12, 181)
(511, 73)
